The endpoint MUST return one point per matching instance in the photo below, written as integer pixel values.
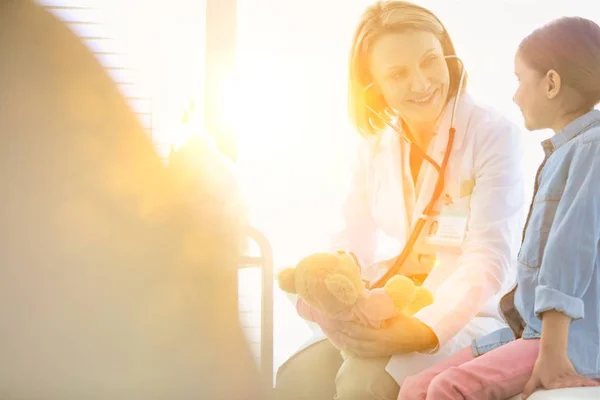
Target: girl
(553, 312)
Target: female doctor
(459, 207)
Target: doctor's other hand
(402, 334)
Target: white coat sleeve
(358, 231)
(493, 231)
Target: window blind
(91, 21)
(156, 55)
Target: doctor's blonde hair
(379, 19)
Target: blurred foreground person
(117, 274)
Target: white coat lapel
(398, 202)
(437, 149)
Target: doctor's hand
(402, 334)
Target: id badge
(449, 227)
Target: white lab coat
(468, 280)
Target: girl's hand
(554, 372)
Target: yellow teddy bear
(330, 290)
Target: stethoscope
(439, 185)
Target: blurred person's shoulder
(199, 157)
(206, 180)
(203, 173)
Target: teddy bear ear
(287, 280)
(342, 288)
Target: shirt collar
(572, 130)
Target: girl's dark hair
(571, 47)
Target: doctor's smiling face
(410, 71)
(398, 68)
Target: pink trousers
(498, 374)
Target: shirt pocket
(538, 229)
(459, 184)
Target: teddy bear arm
(422, 298)
(402, 290)
(313, 314)
(306, 311)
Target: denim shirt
(558, 261)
